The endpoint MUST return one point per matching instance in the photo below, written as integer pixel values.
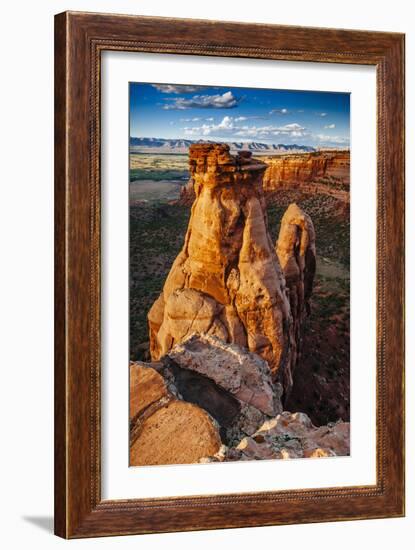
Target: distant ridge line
(163, 145)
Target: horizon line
(237, 141)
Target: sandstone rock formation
(226, 331)
(164, 429)
(233, 385)
(187, 194)
(146, 387)
(227, 281)
(178, 433)
(180, 415)
(293, 436)
(327, 171)
(296, 250)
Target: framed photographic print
(229, 288)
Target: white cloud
(243, 118)
(224, 127)
(194, 119)
(279, 112)
(217, 101)
(333, 139)
(323, 114)
(176, 88)
(235, 128)
(229, 127)
(330, 126)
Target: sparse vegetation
(156, 236)
(158, 167)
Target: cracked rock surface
(163, 428)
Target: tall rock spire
(227, 280)
(296, 250)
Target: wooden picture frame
(79, 40)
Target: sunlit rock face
(227, 280)
(297, 170)
(164, 429)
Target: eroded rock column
(296, 250)
(227, 280)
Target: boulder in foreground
(235, 386)
(243, 374)
(164, 429)
(177, 433)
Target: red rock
(164, 429)
(146, 387)
(178, 433)
(331, 168)
(296, 252)
(226, 281)
(244, 375)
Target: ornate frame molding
(79, 40)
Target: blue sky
(239, 114)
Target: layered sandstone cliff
(325, 172)
(329, 169)
(227, 280)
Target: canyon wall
(326, 170)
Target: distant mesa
(181, 146)
(288, 167)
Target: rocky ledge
(208, 401)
